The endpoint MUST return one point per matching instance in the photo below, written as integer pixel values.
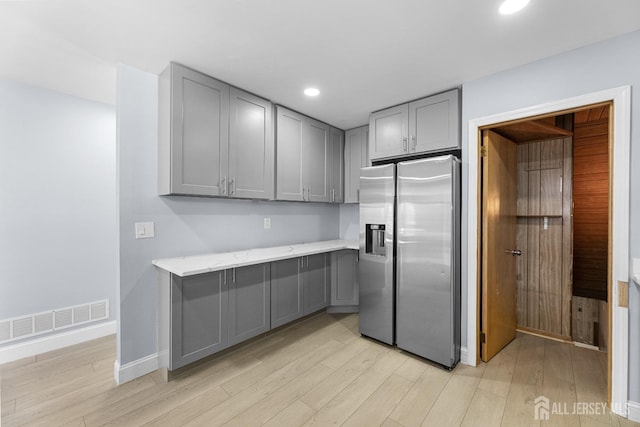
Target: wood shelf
(533, 130)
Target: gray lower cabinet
(198, 317)
(286, 291)
(355, 158)
(315, 283)
(426, 125)
(213, 139)
(344, 279)
(249, 311)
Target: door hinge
(483, 151)
(483, 338)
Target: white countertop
(197, 264)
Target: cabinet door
(316, 283)
(286, 291)
(249, 302)
(434, 123)
(289, 152)
(251, 151)
(366, 159)
(199, 133)
(389, 132)
(344, 278)
(198, 317)
(354, 146)
(315, 160)
(336, 165)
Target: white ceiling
(363, 55)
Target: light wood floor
(318, 372)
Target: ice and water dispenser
(375, 240)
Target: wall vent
(49, 321)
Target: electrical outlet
(267, 223)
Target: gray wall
(593, 68)
(57, 193)
(183, 225)
(349, 221)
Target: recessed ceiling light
(512, 6)
(311, 91)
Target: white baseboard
(137, 368)
(55, 341)
(464, 355)
(633, 411)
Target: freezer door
(377, 197)
(427, 283)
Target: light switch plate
(267, 223)
(144, 230)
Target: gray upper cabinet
(315, 282)
(251, 149)
(289, 152)
(302, 157)
(286, 291)
(337, 166)
(424, 125)
(213, 140)
(355, 158)
(249, 301)
(434, 123)
(193, 134)
(198, 317)
(315, 160)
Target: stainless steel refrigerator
(410, 256)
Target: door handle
(405, 144)
(223, 185)
(232, 186)
(514, 252)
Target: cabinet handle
(224, 277)
(303, 190)
(232, 186)
(405, 144)
(358, 194)
(234, 275)
(308, 194)
(223, 185)
(333, 194)
(414, 141)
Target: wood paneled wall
(591, 205)
(544, 235)
(590, 318)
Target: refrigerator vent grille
(53, 320)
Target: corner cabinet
(426, 125)
(355, 157)
(309, 159)
(213, 139)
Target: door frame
(620, 135)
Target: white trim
(621, 98)
(137, 368)
(633, 411)
(464, 355)
(56, 341)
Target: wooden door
(499, 178)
